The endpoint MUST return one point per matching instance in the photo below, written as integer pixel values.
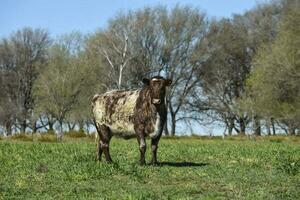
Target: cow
(137, 113)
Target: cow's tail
(94, 120)
(97, 134)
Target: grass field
(191, 168)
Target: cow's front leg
(154, 146)
(98, 145)
(142, 146)
(99, 151)
(104, 142)
(105, 147)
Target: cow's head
(157, 86)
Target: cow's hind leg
(98, 150)
(104, 141)
(98, 142)
(154, 146)
(142, 145)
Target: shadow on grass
(182, 164)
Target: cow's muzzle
(156, 101)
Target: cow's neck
(156, 114)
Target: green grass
(192, 169)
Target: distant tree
(182, 30)
(262, 25)
(151, 41)
(8, 87)
(81, 115)
(112, 47)
(23, 53)
(274, 84)
(223, 74)
(8, 102)
(230, 46)
(65, 82)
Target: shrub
(238, 137)
(50, 132)
(47, 138)
(278, 140)
(22, 137)
(295, 138)
(76, 134)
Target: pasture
(190, 168)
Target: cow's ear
(146, 81)
(168, 82)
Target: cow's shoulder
(114, 98)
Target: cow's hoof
(154, 163)
(97, 158)
(142, 163)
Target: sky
(64, 16)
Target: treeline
(241, 72)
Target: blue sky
(86, 16)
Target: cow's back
(115, 109)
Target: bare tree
(113, 45)
(154, 41)
(28, 49)
(65, 86)
(182, 30)
(8, 86)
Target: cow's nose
(156, 101)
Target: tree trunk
(173, 124)
(50, 124)
(292, 130)
(87, 127)
(34, 128)
(23, 125)
(268, 125)
(120, 76)
(8, 125)
(242, 126)
(166, 130)
(71, 126)
(61, 126)
(256, 124)
(273, 125)
(81, 124)
(285, 130)
(230, 126)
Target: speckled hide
(139, 113)
(115, 109)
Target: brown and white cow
(139, 113)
